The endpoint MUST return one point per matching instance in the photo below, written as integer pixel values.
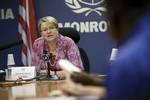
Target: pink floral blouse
(65, 49)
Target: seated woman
(51, 42)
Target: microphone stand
(46, 57)
(48, 70)
(49, 76)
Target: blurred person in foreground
(129, 74)
(60, 47)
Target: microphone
(46, 56)
(6, 46)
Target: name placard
(25, 72)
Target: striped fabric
(27, 29)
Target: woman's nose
(49, 30)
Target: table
(31, 90)
(36, 90)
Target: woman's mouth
(49, 35)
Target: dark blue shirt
(129, 75)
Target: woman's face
(49, 31)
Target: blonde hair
(49, 19)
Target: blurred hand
(73, 89)
(61, 74)
(81, 90)
(78, 88)
(87, 79)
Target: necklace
(53, 60)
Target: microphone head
(46, 55)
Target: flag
(27, 29)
